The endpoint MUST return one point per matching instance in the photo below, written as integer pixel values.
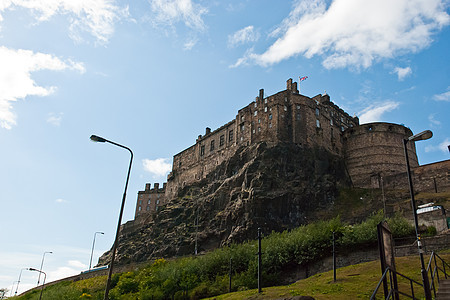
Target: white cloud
(243, 36)
(443, 97)
(55, 119)
(188, 45)
(59, 200)
(374, 112)
(158, 167)
(354, 33)
(16, 82)
(402, 72)
(94, 16)
(174, 11)
(77, 264)
(441, 147)
(433, 121)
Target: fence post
(334, 259)
(259, 261)
(231, 268)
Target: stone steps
(444, 290)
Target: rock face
(271, 186)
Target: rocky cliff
(275, 187)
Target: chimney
(147, 186)
(289, 84)
(294, 88)
(208, 130)
(261, 94)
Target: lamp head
(32, 269)
(424, 135)
(98, 139)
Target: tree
(3, 292)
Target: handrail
(392, 291)
(435, 271)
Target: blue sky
(153, 74)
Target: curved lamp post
(42, 263)
(98, 139)
(45, 276)
(424, 135)
(18, 281)
(92, 252)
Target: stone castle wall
(434, 178)
(285, 116)
(148, 201)
(375, 150)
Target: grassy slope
(353, 282)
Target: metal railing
(441, 269)
(391, 291)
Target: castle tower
(375, 150)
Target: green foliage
(208, 275)
(431, 230)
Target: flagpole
(299, 89)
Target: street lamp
(42, 263)
(45, 276)
(95, 138)
(92, 252)
(18, 281)
(424, 135)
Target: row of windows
(212, 145)
(147, 208)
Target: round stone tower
(375, 150)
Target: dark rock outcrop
(274, 187)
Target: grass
(353, 282)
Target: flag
(302, 78)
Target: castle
(373, 153)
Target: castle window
(317, 112)
(157, 201)
(230, 136)
(256, 113)
(254, 130)
(147, 208)
(242, 127)
(285, 108)
(265, 101)
(139, 208)
(202, 150)
(256, 104)
(242, 138)
(259, 120)
(342, 119)
(270, 117)
(221, 140)
(270, 125)
(140, 202)
(265, 109)
(285, 99)
(259, 129)
(297, 116)
(212, 145)
(298, 106)
(242, 118)
(317, 123)
(342, 128)
(331, 122)
(149, 201)
(156, 208)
